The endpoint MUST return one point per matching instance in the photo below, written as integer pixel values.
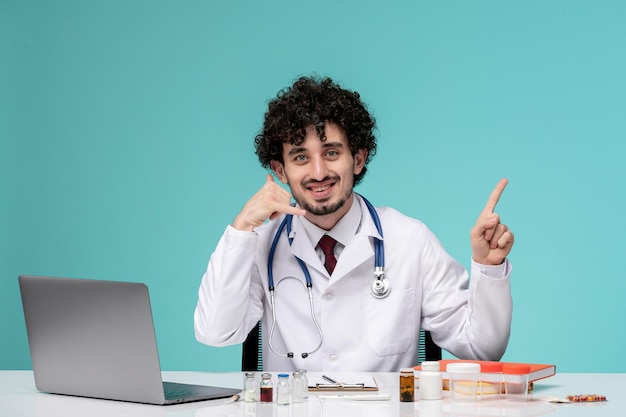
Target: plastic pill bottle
(430, 381)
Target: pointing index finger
(495, 196)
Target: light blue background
(126, 131)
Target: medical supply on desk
(305, 379)
(407, 385)
(491, 380)
(430, 381)
(342, 382)
(587, 398)
(463, 381)
(266, 388)
(516, 382)
(356, 397)
(579, 398)
(249, 387)
(297, 387)
(491, 383)
(283, 390)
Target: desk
(19, 398)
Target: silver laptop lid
(92, 338)
(95, 338)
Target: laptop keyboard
(173, 394)
(174, 390)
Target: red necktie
(327, 244)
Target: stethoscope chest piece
(380, 287)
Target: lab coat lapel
(360, 249)
(303, 249)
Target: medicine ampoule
(266, 388)
(305, 378)
(297, 387)
(283, 390)
(249, 387)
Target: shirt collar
(343, 232)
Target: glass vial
(266, 388)
(431, 381)
(305, 378)
(407, 385)
(283, 390)
(297, 388)
(249, 387)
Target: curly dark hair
(312, 101)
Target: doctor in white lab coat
(343, 327)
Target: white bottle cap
(463, 368)
(432, 366)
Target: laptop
(94, 338)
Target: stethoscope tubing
(379, 287)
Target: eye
(332, 153)
(300, 158)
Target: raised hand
(491, 240)
(268, 203)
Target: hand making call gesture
(269, 202)
(491, 240)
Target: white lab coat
(469, 318)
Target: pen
(332, 381)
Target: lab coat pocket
(391, 322)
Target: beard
(321, 208)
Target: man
(318, 139)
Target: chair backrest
(252, 350)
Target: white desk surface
(19, 398)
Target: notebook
(94, 338)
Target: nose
(319, 171)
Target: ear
(279, 169)
(359, 161)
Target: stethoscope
(379, 287)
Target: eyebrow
(325, 145)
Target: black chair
(252, 354)
(252, 351)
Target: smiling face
(321, 174)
